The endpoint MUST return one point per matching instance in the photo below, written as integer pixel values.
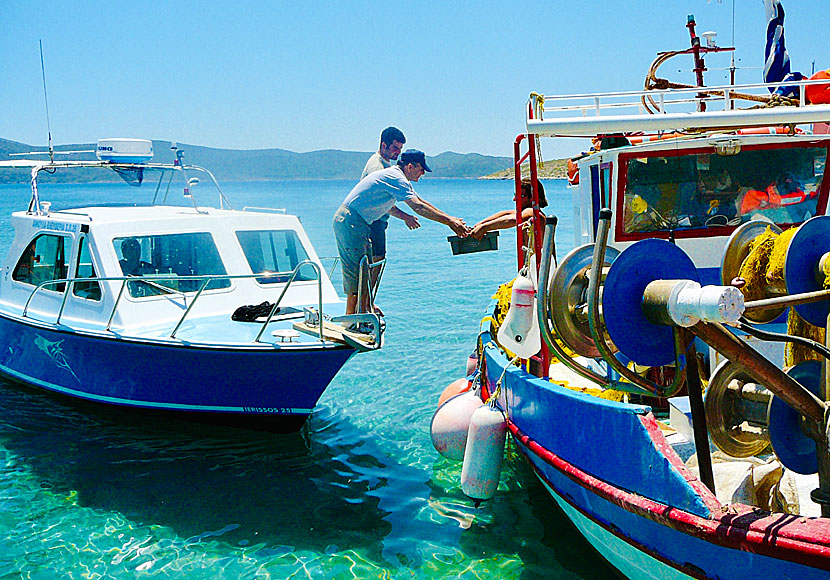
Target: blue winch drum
(794, 449)
(801, 268)
(635, 268)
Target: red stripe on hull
(805, 541)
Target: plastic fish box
(490, 241)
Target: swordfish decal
(55, 352)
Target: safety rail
(206, 280)
(366, 269)
(595, 103)
(582, 115)
(50, 166)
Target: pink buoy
(456, 387)
(450, 424)
(483, 453)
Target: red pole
(538, 221)
(699, 66)
(517, 182)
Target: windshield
(664, 193)
(270, 251)
(167, 257)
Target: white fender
(519, 333)
(483, 453)
(450, 424)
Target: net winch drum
(745, 417)
(124, 150)
(735, 251)
(568, 298)
(795, 450)
(802, 267)
(736, 411)
(635, 268)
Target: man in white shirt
(370, 199)
(391, 143)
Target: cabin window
(169, 262)
(43, 260)
(710, 189)
(85, 269)
(272, 251)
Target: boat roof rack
(677, 109)
(36, 166)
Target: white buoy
(483, 453)
(450, 425)
(519, 333)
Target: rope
(653, 82)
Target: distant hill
(264, 164)
(552, 169)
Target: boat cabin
(76, 266)
(696, 190)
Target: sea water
(86, 493)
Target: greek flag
(777, 61)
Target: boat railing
(579, 114)
(366, 272)
(164, 168)
(156, 282)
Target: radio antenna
(46, 100)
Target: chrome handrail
(285, 289)
(152, 281)
(367, 267)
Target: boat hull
(261, 386)
(610, 469)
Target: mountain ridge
(261, 164)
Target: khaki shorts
(352, 235)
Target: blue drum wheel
(622, 297)
(809, 244)
(793, 448)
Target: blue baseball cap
(414, 156)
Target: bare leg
(351, 303)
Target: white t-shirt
(375, 163)
(376, 193)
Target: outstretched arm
(411, 221)
(429, 211)
(499, 221)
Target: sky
(307, 75)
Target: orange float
(456, 387)
(573, 172)
(818, 94)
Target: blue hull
(611, 470)
(266, 385)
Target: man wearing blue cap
(373, 197)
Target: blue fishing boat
(701, 245)
(208, 313)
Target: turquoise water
(91, 494)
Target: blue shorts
(351, 233)
(377, 235)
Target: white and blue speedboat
(210, 313)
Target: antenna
(46, 100)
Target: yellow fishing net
(754, 267)
(763, 267)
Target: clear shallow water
(91, 494)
